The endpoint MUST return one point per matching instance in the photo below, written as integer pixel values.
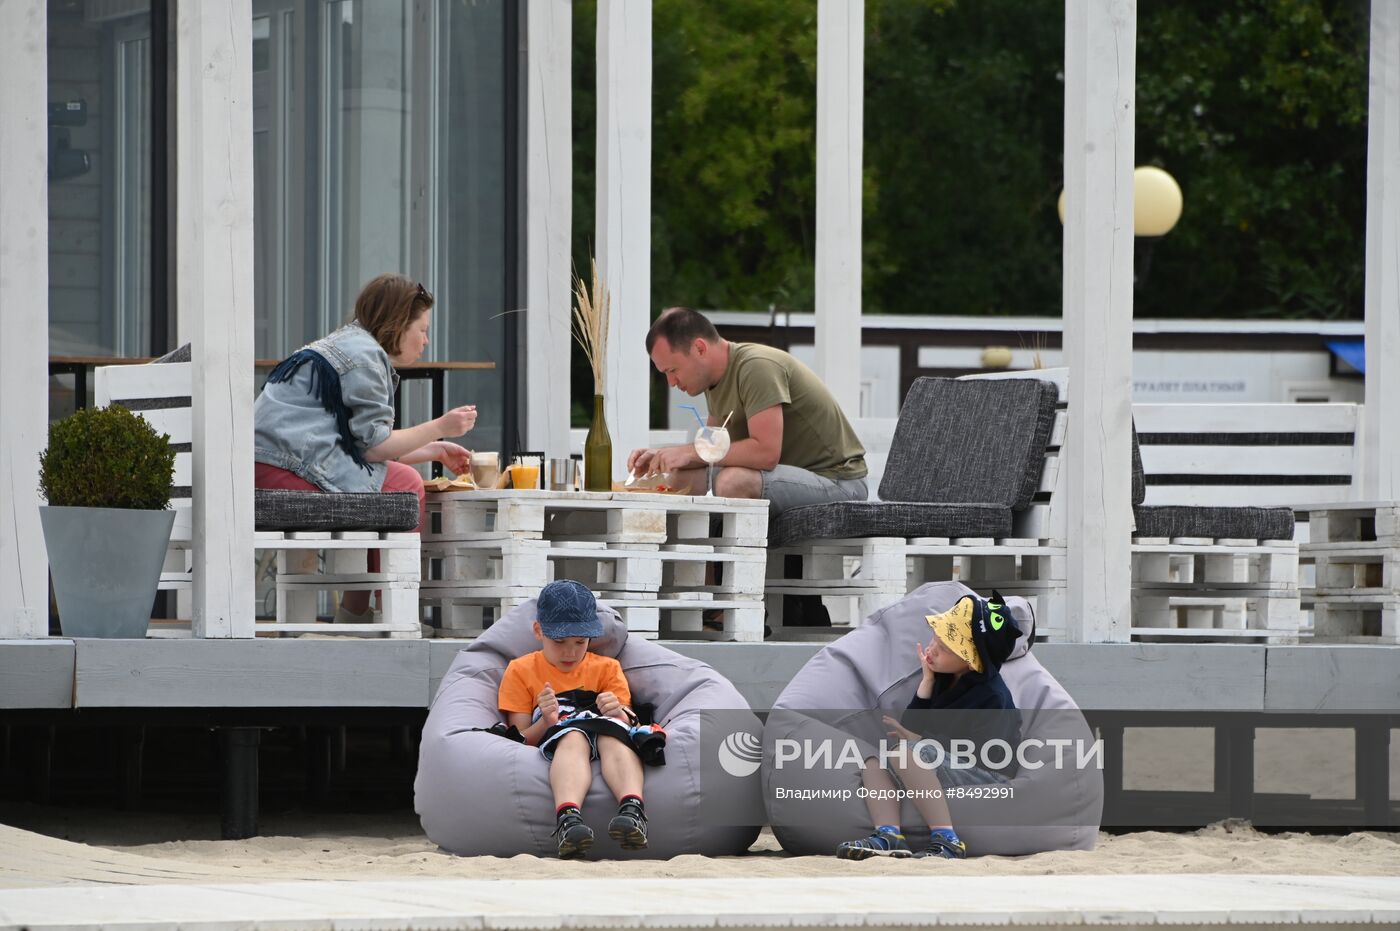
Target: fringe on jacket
(325, 387)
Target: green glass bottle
(597, 451)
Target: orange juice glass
(523, 476)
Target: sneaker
(629, 826)
(575, 837)
(879, 844)
(946, 845)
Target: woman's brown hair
(387, 305)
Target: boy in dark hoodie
(962, 675)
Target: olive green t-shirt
(816, 434)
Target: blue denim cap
(566, 608)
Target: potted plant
(108, 477)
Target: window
(384, 141)
(100, 184)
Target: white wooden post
(214, 272)
(1100, 52)
(1381, 469)
(840, 122)
(24, 314)
(623, 221)
(548, 214)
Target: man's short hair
(680, 326)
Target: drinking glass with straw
(711, 445)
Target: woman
(325, 419)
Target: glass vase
(597, 451)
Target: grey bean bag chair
(875, 667)
(479, 794)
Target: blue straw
(693, 410)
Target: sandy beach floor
(115, 847)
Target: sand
(45, 845)
(112, 847)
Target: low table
(645, 555)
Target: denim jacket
(323, 406)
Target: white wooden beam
(840, 122)
(1100, 52)
(24, 314)
(1381, 469)
(214, 287)
(548, 217)
(623, 221)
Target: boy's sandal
(943, 849)
(872, 846)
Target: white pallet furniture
(646, 555)
(1233, 456)
(309, 564)
(1215, 589)
(1029, 563)
(1355, 551)
(860, 575)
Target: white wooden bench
(1236, 456)
(309, 563)
(1348, 548)
(1305, 456)
(988, 487)
(1031, 561)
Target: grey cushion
(875, 667)
(483, 795)
(1243, 523)
(393, 512)
(179, 354)
(967, 441)
(888, 519)
(1139, 473)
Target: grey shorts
(788, 487)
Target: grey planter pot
(105, 564)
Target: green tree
(733, 150)
(963, 122)
(1257, 107)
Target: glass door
(282, 322)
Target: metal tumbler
(563, 474)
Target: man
(791, 443)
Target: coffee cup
(486, 468)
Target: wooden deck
(1235, 690)
(345, 673)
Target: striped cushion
(1246, 523)
(393, 512)
(970, 441)
(844, 519)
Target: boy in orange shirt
(574, 705)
